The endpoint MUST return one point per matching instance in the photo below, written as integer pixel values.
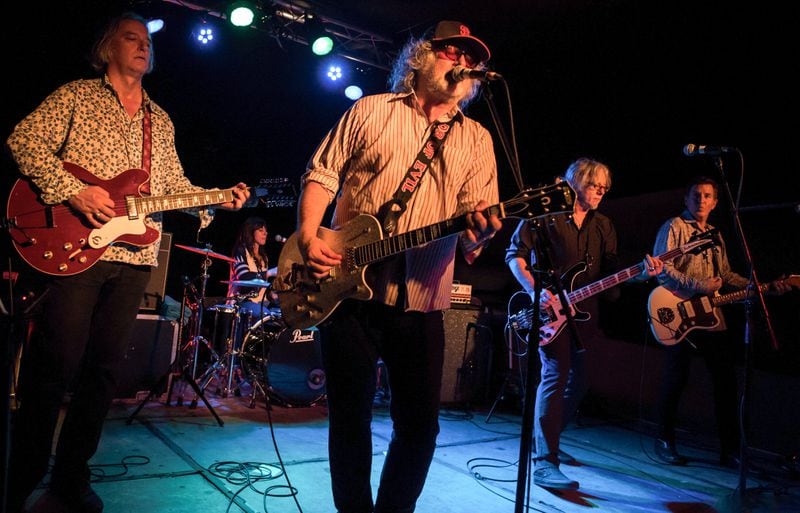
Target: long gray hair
(102, 47)
(411, 58)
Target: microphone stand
(544, 261)
(756, 285)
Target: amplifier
(461, 294)
(467, 356)
(152, 345)
(157, 286)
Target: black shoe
(666, 453)
(729, 461)
(548, 475)
(80, 498)
(565, 458)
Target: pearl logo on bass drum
(301, 336)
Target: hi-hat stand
(177, 367)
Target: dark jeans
(718, 350)
(563, 384)
(412, 348)
(81, 338)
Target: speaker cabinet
(156, 287)
(467, 356)
(152, 345)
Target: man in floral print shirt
(100, 125)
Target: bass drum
(286, 363)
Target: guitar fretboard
(149, 204)
(620, 277)
(557, 198)
(737, 296)
(378, 250)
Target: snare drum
(288, 362)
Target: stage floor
(176, 459)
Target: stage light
(353, 92)
(241, 13)
(205, 35)
(335, 73)
(319, 40)
(155, 25)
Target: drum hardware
(256, 283)
(225, 368)
(187, 371)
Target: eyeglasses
(453, 53)
(599, 188)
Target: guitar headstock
(701, 241)
(273, 192)
(557, 198)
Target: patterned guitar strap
(391, 211)
(146, 138)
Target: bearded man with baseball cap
(372, 158)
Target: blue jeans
(562, 386)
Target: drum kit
(281, 365)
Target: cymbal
(206, 252)
(248, 283)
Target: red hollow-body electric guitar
(57, 240)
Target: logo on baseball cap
(457, 33)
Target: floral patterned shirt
(85, 123)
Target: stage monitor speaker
(156, 287)
(467, 356)
(152, 345)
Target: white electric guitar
(672, 317)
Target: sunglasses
(453, 53)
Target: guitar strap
(146, 142)
(391, 211)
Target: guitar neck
(617, 278)
(739, 295)
(148, 204)
(384, 248)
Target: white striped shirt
(362, 161)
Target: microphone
(690, 150)
(280, 238)
(459, 73)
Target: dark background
(626, 82)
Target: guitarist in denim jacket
(700, 273)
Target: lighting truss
(282, 19)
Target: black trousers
(412, 348)
(718, 351)
(79, 342)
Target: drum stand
(183, 371)
(224, 367)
